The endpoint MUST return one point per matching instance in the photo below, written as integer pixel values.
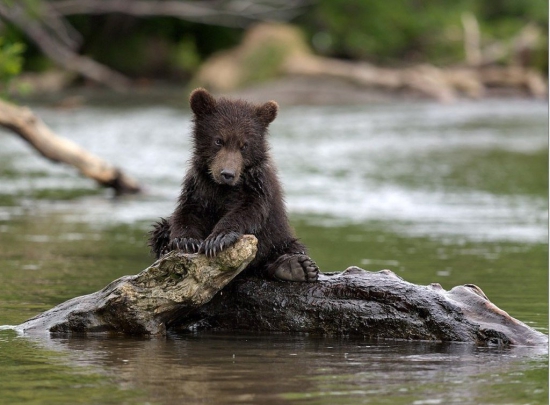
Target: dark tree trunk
(354, 302)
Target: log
(376, 305)
(149, 302)
(181, 292)
(32, 129)
(442, 84)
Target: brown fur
(232, 189)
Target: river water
(452, 194)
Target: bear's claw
(186, 245)
(214, 244)
(296, 267)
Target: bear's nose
(227, 176)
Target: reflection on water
(449, 194)
(275, 369)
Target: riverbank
(274, 61)
(288, 90)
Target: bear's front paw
(297, 267)
(215, 243)
(185, 245)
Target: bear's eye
(243, 148)
(218, 142)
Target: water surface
(451, 194)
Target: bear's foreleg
(188, 228)
(245, 218)
(159, 238)
(185, 245)
(216, 242)
(161, 242)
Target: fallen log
(147, 303)
(358, 302)
(353, 302)
(32, 129)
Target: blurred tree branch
(23, 122)
(44, 23)
(230, 13)
(50, 33)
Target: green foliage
(416, 31)
(389, 31)
(384, 32)
(157, 46)
(264, 63)
(11, 60)
(185, 55)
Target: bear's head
(229, 135)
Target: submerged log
(32, 129)
(147, 303)
(353, 302)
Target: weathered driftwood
(359, 302)
(32, 129)
(150, 301)
(354, 302)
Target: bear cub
(231, 189)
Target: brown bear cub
(232, 189)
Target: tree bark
(370, 304)
(32, 129)
(354, 302)
(149, 302)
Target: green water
(479, 216)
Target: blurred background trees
(112, 40)
(396, 32)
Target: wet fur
(213, 211)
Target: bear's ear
(267, 112)
(202, 102)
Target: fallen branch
(442, 84)
(51, 37)
(231, 69)
(149, 302)
(44, 23)
(354, 302)
(225, 13)
(32, 129)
